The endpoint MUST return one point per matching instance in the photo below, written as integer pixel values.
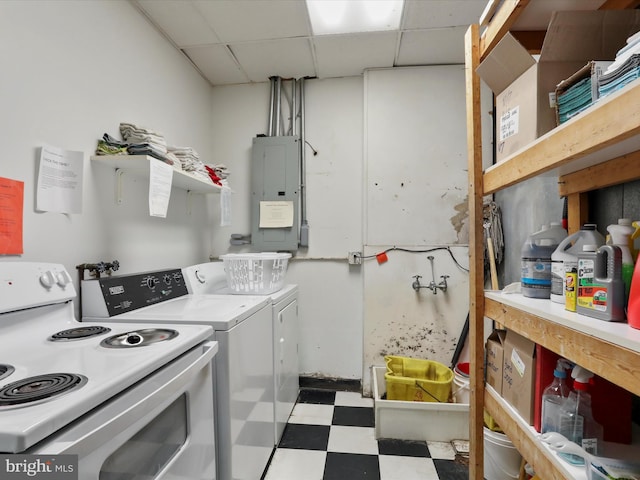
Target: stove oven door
(161, 428)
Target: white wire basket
(255, 273)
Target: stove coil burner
(38, 388)
(79, 333)
(139, 338)
(5, 371)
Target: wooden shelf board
(524, 437)
(609, 349)
(608, 129)
(140, 163)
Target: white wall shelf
(139, 165)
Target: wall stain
(457, 221)
(420, 341)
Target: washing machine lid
(222, 312)
(276, 297)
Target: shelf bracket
(118, 186)
(189, 201)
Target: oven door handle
(145, 400)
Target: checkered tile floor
(330, 436)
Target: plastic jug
(600, 285)
(565, 258)
(621, 236)
(536, 260)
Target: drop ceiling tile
(249, 20)
(432, 47)
(420, 14)
(216, 64)
(347, 55)
(289, 58)
(180, 21)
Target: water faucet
(433, 286)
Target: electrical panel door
(275, 191)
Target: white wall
(350, 314)
(330, 290)
(416, 199)
(72, 71)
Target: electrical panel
(275, 192)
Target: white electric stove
(101, 391)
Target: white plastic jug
(536, 260)
(565, 257)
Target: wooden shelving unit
(599, 148)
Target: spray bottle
(576, 416)
(620, 236)
(553, 396)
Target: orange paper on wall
(11, 207)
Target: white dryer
(243, 367)
(209, 278)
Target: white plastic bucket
(501, 459)
(460, 389)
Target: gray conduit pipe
(294, 112)
(271, 105)
(304, 226)
(278, 106)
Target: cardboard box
(519, 374)
(606, 397)
(525, 89)
(494, 358)
(593, 71)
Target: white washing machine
(208, 278)
(243, 368)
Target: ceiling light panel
(330, 17)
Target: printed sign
(509, 123)
(518, 364)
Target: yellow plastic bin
(417, 380)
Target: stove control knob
(63, 278)
(47, 279)
(152, 282)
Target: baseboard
(330, 383)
